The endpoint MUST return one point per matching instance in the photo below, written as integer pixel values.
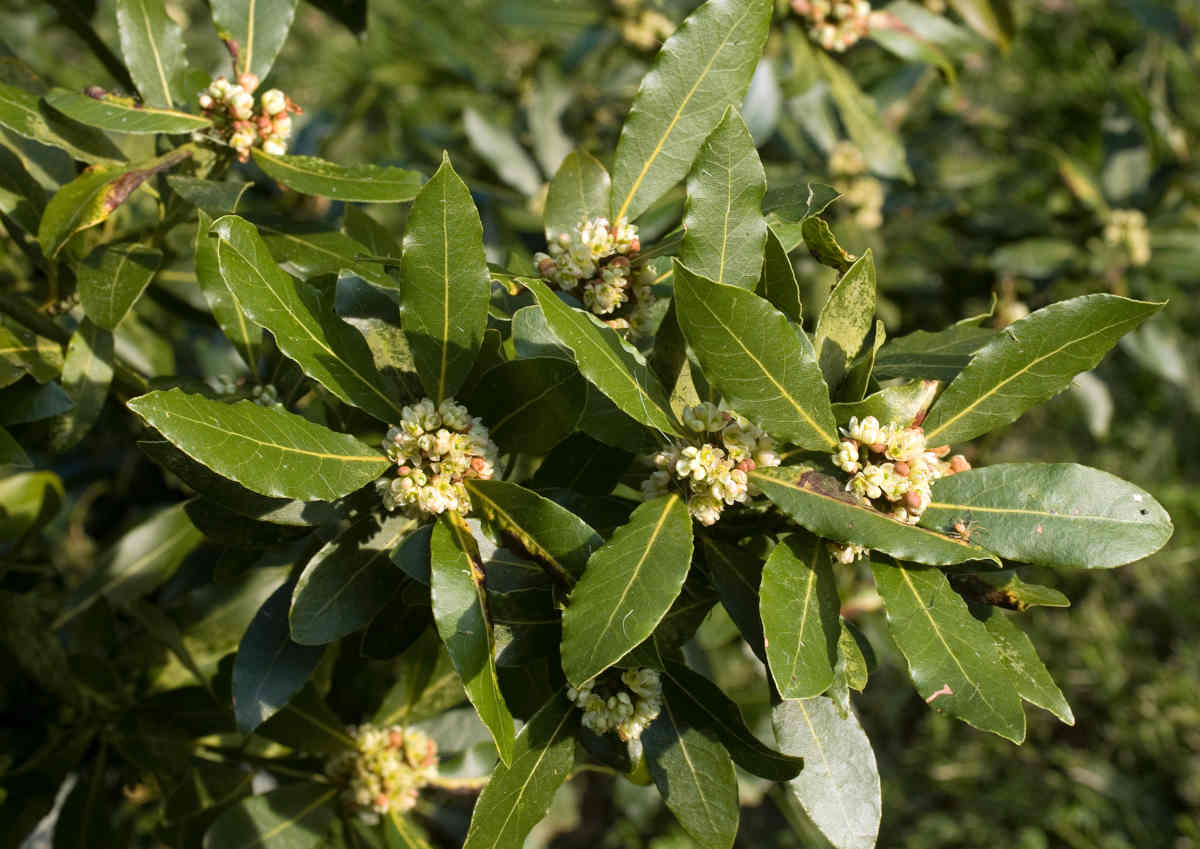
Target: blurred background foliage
(1020, 147)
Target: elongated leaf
(936, 356)
(29, 402)
(820, 503)
(627, 588)
(270, 667)
(23, 351)
(845, 319)
(761, 363)
(799, 603)
(703, 68)
(86, 376)
(445, 298)
(21, 112)
(292, 817)
(29, 499)
(258, 27)
(226, 306)
(1032, 360)
(778, 284)
(704, 704)
(111, 279)
(119, 115)
(267, 450)
(517, 796)
(881, 147)
(348, 581)
(952, 659)
(610, 366)
(990, 18)
(530, 405)
(301, 319)
(11, 452)
(1034, 681)
(460, 611)
(839, 788)
(314, 254)
(578, 192)
(210, 196)
(551, 533)
(152, 45)
(501, 150)
(1051, 514)
(724, 228)
(737, 575)
(1006, 589)
(311, 175)
(904, 403)
(695, 776)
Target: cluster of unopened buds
(835, 24)
(599, 257)
(1127, 227)
(385, 770)
(232, 110)
(626, 709)
(713, 470)
(862, 192)
(435, 448)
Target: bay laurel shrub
(452, 527)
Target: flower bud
(248, 81)
(241, 104)
(206, 101)
(274, 101)
(274, 147)
(958, 463)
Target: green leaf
(86, 816)
(29, 402)
(309, 254)
(839, 788)
(301, 319)
(444, 302)
(695, 776)
(267, 450)
(763, 365)
(858, 376)
(210, 196)
(613, 368)
(935, 356)
(518, 796)
(952, 659)
(86, 376)
(820, 503)
(1032, 360)
(703, 68)
(292, 817)
(226, 306)
(348, 581)
(501, 150)
(11, 452)
(1018, 654)
(308, 724)
(902, 402)
(990, 18)
(800, 607)
(737, 575)
(21, 112)
(1051, 514)
(460, 611)
(529, 405)
(778, 284)
(703, 703)
(27, 501)
(881, 147)
(823, 245)
(916, 34)
(269, 667)
(578, 192)
(846, 319)
(311, 175)
(627, 588)
(724, 228)
(111, 279)
(119, 115)
(258, 27)
(1006, 589)
(152, 45)
(23, 351)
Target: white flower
(274, 102)
(243, 140)
(274, 147)
(705, 509)
(281, 127)
(846, 456)
(206, 100)
(906, 444)
(241, 103)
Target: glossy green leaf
(460, 611)
(348, 581)
(695, 776)
(737, 575)
(269, 667)
(821, 504)
(23, 351)
(846, 319)
(29, 402)
(86, 376)
(612, 367)
(257, 27)
(724, 228)
(839, 788)
(627, 588)
(301, 319)
(578, 192)
(517, 796)
(308, 254)
(152, 45)
(500, 149)
(311, 175)
(267, 450)
(799, 603)
(1032, 360)
(445, 298)
(952, 659)
(111, 279)
(121, 115)
(29, 500)
(21, 112)
(763, 365)
(858, 376)
(1033, 680)
(880, 145)
(529, 405)
(1051, 514)
(901, 402)
(934, 356)
(211, 196)
(778, 284)
(824, 246)
(703, 68)
(226, 306)
(292, 817)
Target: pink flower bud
(901, 468)
(248, 81)
(958, 463)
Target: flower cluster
(435, 448)
(891, 464)
(644, 28)
(232, 110)
(835, 24)
(862, 192)
(712, 472)
(385, 770)
(626, 710)
(1127, 227)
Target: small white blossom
(274, 102)
(274, 147)
(846, 456)
(385, 770)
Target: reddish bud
(940, 451)
(619, 262)
(747, 465)
(958, 463)
(381, 801)
(248, 81)
(396, 739)
(912, 500)
(546, 267)
(404, 470)
(901, 468)
(478, 464)
(879, 447)
(635, 244)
